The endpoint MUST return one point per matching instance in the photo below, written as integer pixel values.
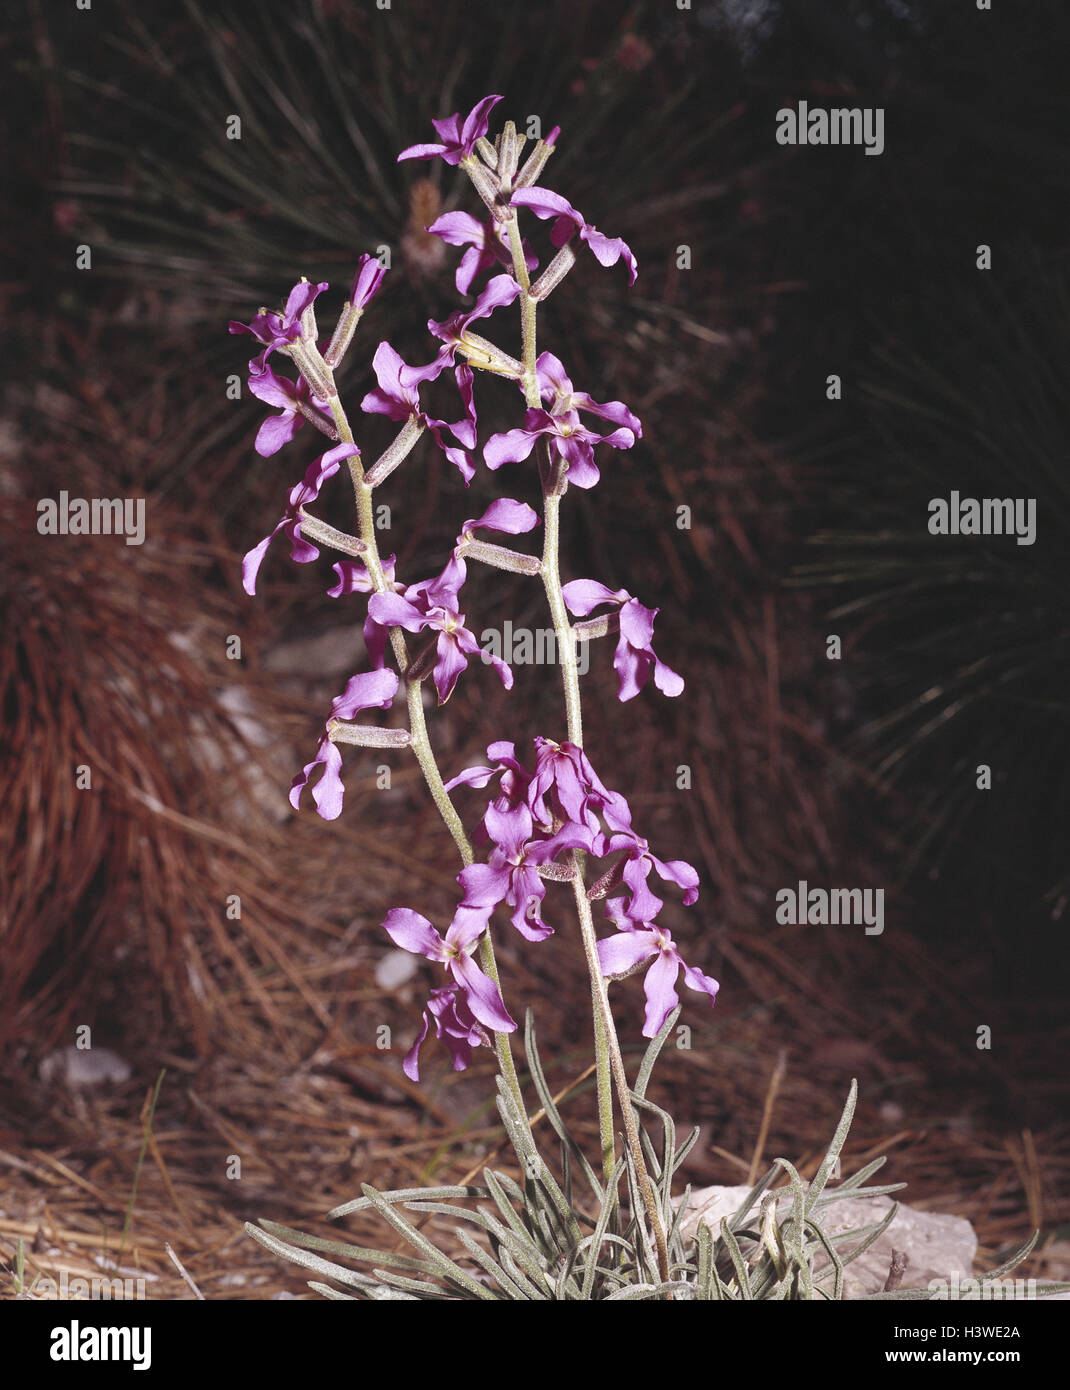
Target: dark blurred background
(809, 518)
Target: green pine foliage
(962, 643)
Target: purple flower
(565, 788)
(486, 246)
(569, 440)
(414, 933)
(397, 396)
(544, 203)
(454, 1023)
(353, 578)
(279, 391)
(371, 689)
(277, 330)
(561, 423)
(644, 906)
(470, 1000)
(433, 604)
(634, 657)
(555, 386)
(512, 788)
(301, 495)
(458, 141)
(497, 293)
(511, 875)
(506, 515)
(366, 282)
(464, 430)
(624, 953)
(563, 792)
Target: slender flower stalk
(547, 817)
(607, 1045)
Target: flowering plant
(550, 817)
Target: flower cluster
(470, 1000)
(547, 817)
(569, 439)
(281, 331)
(540, 815)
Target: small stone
(937, 1246)
(337, 652)
(84, 1067)
(395, 969)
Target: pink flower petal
(621, 954)
(412, 932)
(484, 998)
(659, 986)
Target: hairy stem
(608, 1057)
(566, 642)
(620, 1076)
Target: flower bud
(487, 152)
(508, 155)
(536, 161)
(609, 880)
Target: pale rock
(936, 1246)
(336, 652)
(395, 968)
(84, 1067)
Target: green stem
(421, 742)
(566, 655)
(608, 1059)
(603, 1077)
(620, 1076)
(565, 641)
(527, 313)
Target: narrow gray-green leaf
(651, 1055)
(442, 1263)
(405, 1194)
(828, 1163)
